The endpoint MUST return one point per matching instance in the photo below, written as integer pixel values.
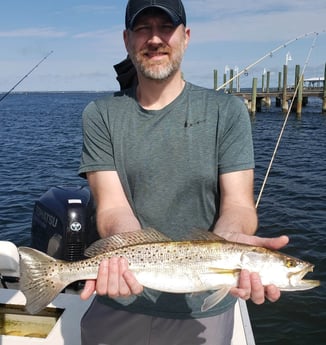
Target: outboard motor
(64, 223)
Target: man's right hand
(113, 279)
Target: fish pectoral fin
(151, 294)
(215, 298)
(224, 270)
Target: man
(173, 156)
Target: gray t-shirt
(169, 161)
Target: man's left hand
(250, 286)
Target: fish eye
(290, 263)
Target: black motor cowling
(64, 223)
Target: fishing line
(25, 76)
(286, 119)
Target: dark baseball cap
(174, 9)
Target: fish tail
(39, 280)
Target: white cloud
(33, 32)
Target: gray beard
(161, 73)
(158, 72)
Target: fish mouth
(298, 283)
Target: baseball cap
(174, 8)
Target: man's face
(155, 46)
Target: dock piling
(267, 100)
(215, 79)
(231, 82)
(254, 96)
(299, 97)
(285, 105)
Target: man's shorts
(103, 325)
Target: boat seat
(9, 259)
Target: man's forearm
(116, 220)
(237, 212)
(236, 219)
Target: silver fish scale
(162, 257)
(172, 252)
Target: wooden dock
(282, 99)
(296, 95)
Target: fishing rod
(26, 75)
(300, 81)
(269, 54)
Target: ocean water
(293, 203)
(40, 144)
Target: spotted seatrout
(204, 263)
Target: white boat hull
(67, 328)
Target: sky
(86, 39)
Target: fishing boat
(63, 225)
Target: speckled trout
(205, 262)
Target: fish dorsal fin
(200, 235)
(124, 239)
